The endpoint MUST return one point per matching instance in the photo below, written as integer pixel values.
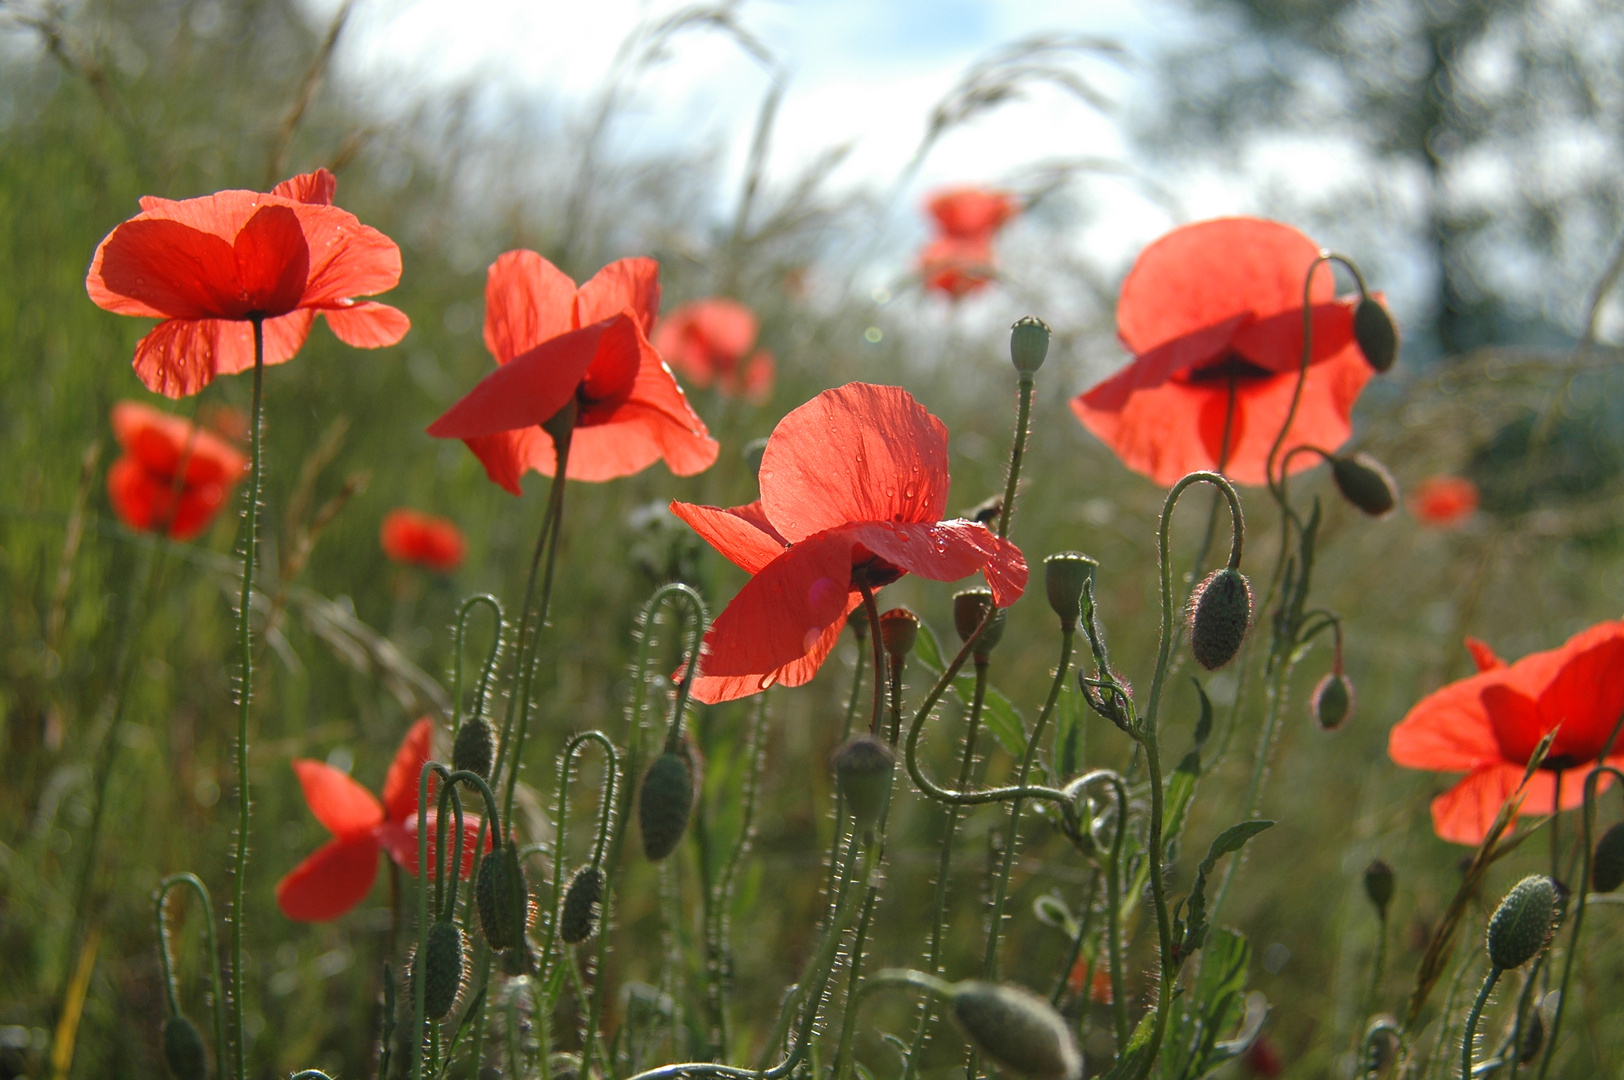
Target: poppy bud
(1374, 331)
(1523, 923)
(1220, 613)
(1028, 344)
(1607, 868)
(1017, 1029)
(1065, 576)
(753, 450)
(1533, 1040)
(664, 804)
(1379, 884)
(969, 608)
(500, 891)
(899, 629)
(858, 621)
(1366, 483)
(444, 956)
(183, 1049)
(582, 896)
(1333, 700)
(863, 767)
(475, 748)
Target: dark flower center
(1233, 366)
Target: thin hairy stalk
(1113, 894)
(1023, 416)
(1084, 925)
(490, 659)
(833, 861)
(419, 984)
(1377, 968)
(217, 1000)
(1511, 1051)
(1471, 1022)
(1261, 759)
(611, 770)
(719, 944)
(521, 647)
(873, 613)
(887, 977)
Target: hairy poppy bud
(475, 749)
(1379, 884)
(664, 804)
(1607, 868)
(899, 629)
(1028, 344)
(1533, 1040)
(1374, 331)
(1523, 923)
(1366, 483)
(1220, 613)
(443, 962)
(1065, 576)
(753, 451)
(1332, 702)
(183, 1049)
(1017, 1029)
(500, 894)
(579, 919)
(969, 608)
(863, 767)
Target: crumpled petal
(332, 880)
(948, 551)
(714, 689)
(345, 807)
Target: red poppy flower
(1489, 724)
(1443, 501)
(339, 874)
(853, 485)
(408, 536)
(141, 484)
(1213, 314)
(555, 342)
(206, 266)
(971, 213)
(712, 341)
(1262, 1059)
(956, 267)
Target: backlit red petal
(741, 533)
(533, 386)
(1585, 699)
(159, 440)
(1482, 655)
(713, 689)
(273, 260)
(345, 807)
(970, 212)
(401, 784)
(367, 324)
(411, 537)
(629, 286)
(948, 551)
(1155, 367)
(332, 880)
(347, 259)
(783, 611)
(1323, 417)
(1448, 730)
(399, 839)
(527, 301)
(316, 188)
(160, 267)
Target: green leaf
(1203, 726)
(1215, 1008)
(1180, 792)
(998, 714)
(1069, 717)
(1127, 1064)
(1228, 842)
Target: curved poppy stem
(1113, 897)
(606, 809)
(932, 984)
(418, 983)
(722, 924)
(490, 660)
(1023, 417)
(193, 882)
(1472, 1019)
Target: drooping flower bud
(1373, 329)
(1220, 613)
(1366, 483)
(863, 766)
(664, 804)
(1332, 702)
(899, 629)
(1017, 1029)
(475, 748)
(1607, 867)
(753, 451)
(1379, 885)
(1533, 1040)
(502, 896)
(1523, 923)
(582, 897)
(969, 608)
(1065, 576)
(183, 1049)
(1028, 344)
(444, 956)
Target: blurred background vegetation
(1487, 206)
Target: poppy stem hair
(442, 908)
(171, 995)
(606, 810)
(419, 985)
(463, 612)
(691, 662)
(1113, 875)
(1017, 451)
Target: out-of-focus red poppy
(1213, 314)
(1443, 501)
(226, 420)
(714, 341)
(339, 874)
(959, 259)
(971, 213)
(555, 342)
(209, 266)
(956, 267)
(409, 536)
(141, 484)
(1489, 724)
(853, 485)
(1262, 1059)
(1099, 989)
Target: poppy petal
(714, 689)
(949, 551)
(1514, 719)
(1156, 366)
(1276, 342)
(1464, 813)
(273, 260)
(345, 807)
(143, 500)
(630, 286)
(741, 533)
(316, 188)
(856, 453)
(166, 269)
(759, 372)
(527, 301)
(399, 839)
(970, 212)
(1585, 699)
(1446, 731)
(1483, 656)
(347, 259)
(159, 440)
(507, 455)
(401, 784)
(367, 324)
(332, 880)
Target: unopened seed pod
(501, 894)
(1533, 1040)
(664, 804)
(1017, 1029)
(444, 956)
(1332, 702)
(475, 748)
(1065, 576)
(582, 898)
(863, 766)
(1523, 923)
(1607, 866)
(1366, 483)
(1373, 329)
(1379, 885)
(753, 451)
(899, 629)
(183, 1049)
(969, 608)
(1028, 344)
(1220, 613)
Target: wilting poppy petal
(948, 551)
(345, 807)
(741, 533)
(332, 880)
(629, 286)
(401, 784)
(714, 689)
(856, 453)
(527, 301)
(367, 324)
(783, 611)
(399, 839)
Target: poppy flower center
(869, 569)
(1231, 367)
